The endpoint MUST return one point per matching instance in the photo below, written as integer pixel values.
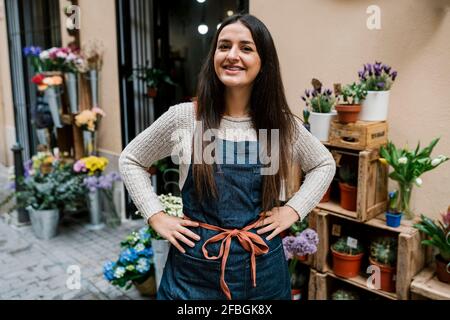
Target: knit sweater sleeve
(153, 144)
(319, 167)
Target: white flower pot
(160, 252)
(375, 106)
(320, 124)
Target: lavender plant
(319, 100)
(377, 76)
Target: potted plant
(393, 216)
(306, 115)
(135, 264)
(173, 206)
(342, 294)
(383, 254)
(153, 77)
(408, 166)
(377, 79)
(349, 105)
(348, 187)
(296, 248)
(439, 238)
(347, 257)
(320, 102)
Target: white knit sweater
(157, 142)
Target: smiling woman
(228, 243)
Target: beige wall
(7, 130)
(329, 40)
(98, 23)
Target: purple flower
(380, 84)
(394, 75)
(32, 51)
(307, 93)
(79, 166)
(303, 244)
(91, 183)
(386, 68)
(311, 235)
(28, 166)
(11, 186)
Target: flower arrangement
(319, 100)
(92, 165)
(89, 119)
(54, 59)
(408, 166)
(302, 244)
(377, 76)
(43, 82)
(135, 262)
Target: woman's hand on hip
(174, 229)
(277, 220)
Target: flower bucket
(393, 219)
(147, 288)
(93, 84)
(375, 106)
(348, 196)
(89, 143)
(348, 113)
(442, 269)
(95, 213)
(44, 222)
(346, 265)
(320, 124)
(51, 99)
(160, 251)
(387, 276)
(72, 91)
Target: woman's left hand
(278, 219)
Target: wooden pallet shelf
(426, 285)
(411, 256)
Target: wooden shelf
(426, 285)
(361, 282)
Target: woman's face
(236, 60)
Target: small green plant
(384, 250)
(153, 77)
(350, 94)
(347, 174)
(343, 294)
(306, 114)
(393, 201)
(299, 226)
(341, 246)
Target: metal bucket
(44, 222)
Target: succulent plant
(384, 250)
(341, 246)
(347, 174)
(343, 294)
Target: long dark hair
(268, 110)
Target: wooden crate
(361, 135)
(372, 197)
(425, 285)
(411, 255)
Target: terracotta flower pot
(348, 113)
(326, 196)
(152, 170)
(348, 196)
(345, 265)
(152, 92)
(442, 269)
(302, 258)
(387, 276)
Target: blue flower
(143, 234)
(143, 265)
(119, 272)
(108, 270)
(147, 252)
(128, 255)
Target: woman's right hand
(174, 229)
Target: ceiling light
(202, 29)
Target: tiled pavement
(41, 269)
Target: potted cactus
(347, 185)
(393, 215)
(346, 258)
(383, 254)
(350, 98)
(321, 103)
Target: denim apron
(193, 275)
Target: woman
(228, 246)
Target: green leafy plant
(153, 77)
(319, 100)
(350, 94)
(408, 166)
(343, 294)
(438, 233)
(299, 226)
(348, 174)
(393, 201)
(341, 246)
(384, 250)
(306, 115)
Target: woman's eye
(223, 46)
(247, 49)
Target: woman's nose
(233, 54)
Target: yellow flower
(383, 161)
(42, 87)
(94, 164)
